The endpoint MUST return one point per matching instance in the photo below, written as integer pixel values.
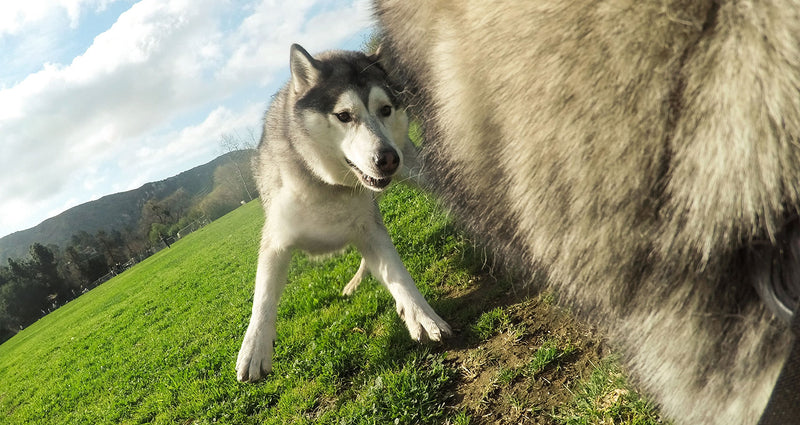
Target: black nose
(387, 161)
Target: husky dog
(644, 155)
(334, 136)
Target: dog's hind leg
(357, 278)
(255, 356)
(385, 264)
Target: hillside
(157, 344)
(119, 211)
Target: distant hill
(119, 211)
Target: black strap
(783, 407)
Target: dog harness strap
(783, 407)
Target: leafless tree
(238, 149)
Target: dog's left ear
(305, 69)
(377, 58)
(376, 55)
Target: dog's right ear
(305, 69)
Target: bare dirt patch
(530, 365)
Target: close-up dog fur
(643, 155)
(333, 138)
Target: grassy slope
(158, 343)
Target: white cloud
(17, 16)
(192, 143)
(16, 213)
(261, 44)
(150, 97)
(127, 84)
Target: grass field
(158, 343)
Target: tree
(154, 210)
(109, 246)
(239, 152)
(162, 217)
(44, 268)
(85, 255)
(22, 302)
(157, 232)
(227, 194)
(71, 266)
(29, 289)
(135, 243)
(178, 204)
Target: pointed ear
(376, 55)
(305, 69)
(377, 58)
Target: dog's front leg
(385, 264)
(255, 356)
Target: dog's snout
(387, 161)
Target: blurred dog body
(644, 155)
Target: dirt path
(501, 378)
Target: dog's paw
(423, 323)
(356, 280)
(351, 286)
(255, 358)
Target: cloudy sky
(102, 96)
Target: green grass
(606, 398)
(549, 354)
(158, 343)
(491, 323)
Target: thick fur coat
(333, 137)
(644, 155)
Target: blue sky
(102, 96)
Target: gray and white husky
(333, 137)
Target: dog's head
(348, 108)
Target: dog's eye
(344, 117)
(386, 111)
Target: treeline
(51, 276)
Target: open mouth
(369, 181)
